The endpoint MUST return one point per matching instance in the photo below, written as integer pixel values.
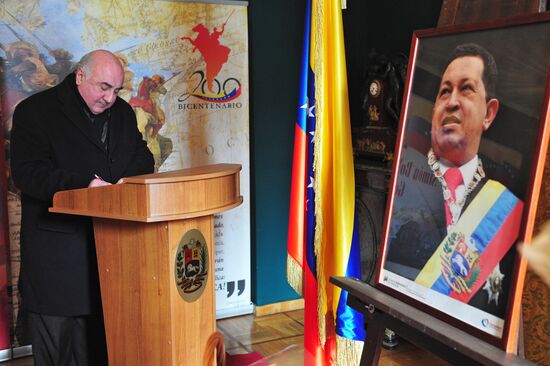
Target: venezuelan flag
(301, 262)
(322, 239)
(297, 224)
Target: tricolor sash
(467, 255)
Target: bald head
(99, 78)
(98, 57)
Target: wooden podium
(154, 242)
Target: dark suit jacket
(415, 241)
(54, 148)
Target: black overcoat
(54, 148)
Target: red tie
(453, 178)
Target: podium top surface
(180, 194)
(182, 175)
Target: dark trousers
(67, 341)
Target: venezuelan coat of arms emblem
(191, 265)
(460, 262)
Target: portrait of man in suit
(454, 225)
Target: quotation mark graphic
(231, 287)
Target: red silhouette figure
(214, 53)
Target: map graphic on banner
(186, 76)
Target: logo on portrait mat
(460, 262)
(191, 265)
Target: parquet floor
(279, 338)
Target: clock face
(374, 88)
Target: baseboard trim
(279, 307)
(239, 309)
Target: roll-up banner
(186, 76)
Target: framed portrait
(467, 172)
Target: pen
(98, 177)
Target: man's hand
(98, 182)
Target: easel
(383, 311)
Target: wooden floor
(280, 337)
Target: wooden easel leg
(374, 328)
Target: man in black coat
(77, 134)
